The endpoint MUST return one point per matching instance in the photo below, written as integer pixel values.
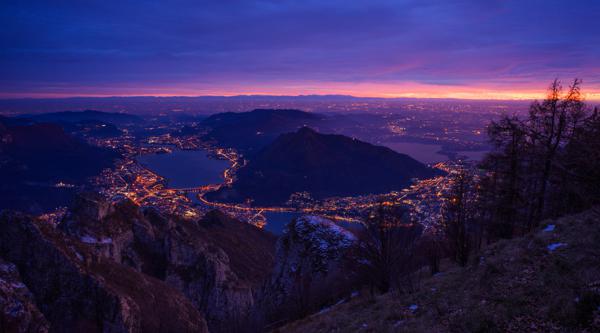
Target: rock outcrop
(218, 262)
(18, 312)
(311, 244)
(78, 290)
(308, 270)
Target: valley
(300, 166)
(180, 175)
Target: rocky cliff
(218, 262)
(312, 245)
(309, 267)
(18, 312)
(77, 290)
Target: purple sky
(422, 48)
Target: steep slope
(78, 291)
(324, 165)
(309, 258)
(18, 312)
(548, 281)
(112, 266)
(219, 263)
(248, 132)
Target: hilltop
(547, 281)
(35, 157)
(324, 165)
(250, 131)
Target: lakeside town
(146, 187)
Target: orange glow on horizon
(375, 90)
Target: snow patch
(320, 221)
(324, 310)
(328, 308)
(8, 268)
(549, 228)
(555, 246)
(92, 240)
(18, 285)
(88, 239)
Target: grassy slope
(513, 286)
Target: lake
(474, 155)
(276, 221)
(186, 168)
(422, 152)
(193, 168)
(428, 153)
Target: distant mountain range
(88, 123)
(324, 165)
(204, 104)
(248, 132)
(84, 116)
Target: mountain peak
(248, 132)
(325, 165)
(305, 130)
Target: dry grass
(512, 286)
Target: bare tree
(551, 125)
(531, 170)
(386, 247)
(432, 249)
(579, 168)
(458, 217)
(502, 188)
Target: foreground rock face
(77, 290)
(308, 265)
(18, 312)
(218, 262)
(313, 245)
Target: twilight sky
(417, 48)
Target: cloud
(195, 43)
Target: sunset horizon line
(593, 96)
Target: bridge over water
(205, 188)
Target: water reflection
(186, 168)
